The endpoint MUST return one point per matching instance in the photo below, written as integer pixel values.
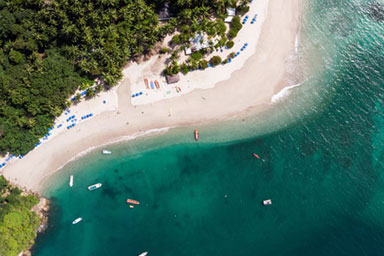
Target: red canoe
(255, 155)
(157, 84)
(196, 134)
(146, 83)
(131, 201)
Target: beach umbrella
(136, 94)
(141, 93)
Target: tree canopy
(49, 48)
(18, 224)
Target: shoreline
(265, 70)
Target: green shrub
(174, 55)
(203, 64)
(175, 68)
(242, 8)
(78, 97)
(99, 88)
(231, 55)
(172, 69)
(16, 57)
(194, 65)
(90, 93)
(175, 39)
(221, 28)
(236, 23)
(230, 44)
(164, 50)
(215, 60)
(232, 33)
(197, 55)
(184, 68)
(235, 27)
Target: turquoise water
(322, 166)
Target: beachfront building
(172, 79)
(231, 12)
(197, 43)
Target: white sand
(250, 84)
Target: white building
(197, 43)
(231, 13)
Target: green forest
(18, 224)
(49, 48)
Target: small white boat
(143, 254)
(77, 220)
(71, 181)
(267, 202)
(106, 152)
(94, 186)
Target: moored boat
(77, 220)
(267, 202)
(143, 254)
(196, 132)
(71, 180)
(255, 155)
(106, 152)
(94, 186)
(131, 201)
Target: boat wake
(283, 93)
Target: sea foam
(283, 93)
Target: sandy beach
(208, 96)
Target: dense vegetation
(18, 224)
(205, 18)
(49, 49)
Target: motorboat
(106, 152)
(94, 186)
(71, 181)
(77, 220)
(267, 202)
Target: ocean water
(322, 166)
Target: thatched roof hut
(172, 79)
